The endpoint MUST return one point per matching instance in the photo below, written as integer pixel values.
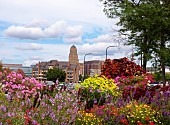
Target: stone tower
(73, 56)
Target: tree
(147, 23)
(54, 74)
(80, 78)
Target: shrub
(97, 89)
(140, 113)
(120, 67)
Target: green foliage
(54, 74)
(158, 76)
(148, 26)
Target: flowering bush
(62, 109)
(120, 67)
(141, 80)
(28, 102)
(97, 89)
(140, 113)
(15, 82)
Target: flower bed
(124, 100)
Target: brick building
(71, 67)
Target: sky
(32, 31)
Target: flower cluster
(120, 67)
(88, 119)
(97, 89)
(140, 113)
(15, 82)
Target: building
(14, 67)
(71, 67)
(93, 67)
(73, 56)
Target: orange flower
(124, 121)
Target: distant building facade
(71, 67)
(14, 67)
(93, 67)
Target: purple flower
(98, 90)
(60, 107)
(91, 91)
(95, 101)
(3, 108)
(34, 122)
(42, 116)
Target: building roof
(52, 63)
(9, 65)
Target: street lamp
(84, 61)
(107, 48)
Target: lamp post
(84, 61)
(107, 49)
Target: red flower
(8, 121)
(87, 110)
(112, 108)
(26, 122)
(151, 123)
(124, 121)
(147, 119)
(27, 111)
(101, 107)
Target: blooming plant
(15, 82)
(97, 89)
(62, 109)
(120, 67)
(88, 119)
(140, 113)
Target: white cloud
(101, 39)
(22, 32)
(20, 11)
(73, 31)
(36, 58)
(73, 40)
(29, 46)
(38, 23)
(55, 30)
(60, 29)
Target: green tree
(147, 23)
(54, 74)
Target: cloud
(22, 32)
(101, 39)
(90, 11)
(35, 33)
(29, 46)
(38, 23)
(36, 58)
(60, 29)
(96, 48)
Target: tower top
(73, 56)
(73, 46)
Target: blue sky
(42, 30)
